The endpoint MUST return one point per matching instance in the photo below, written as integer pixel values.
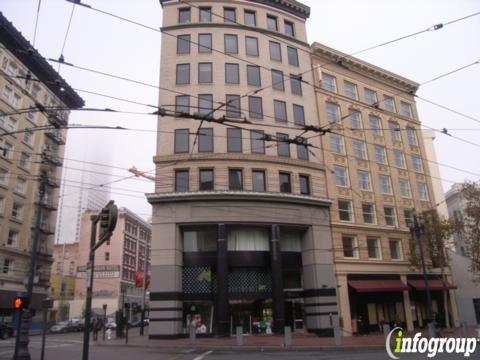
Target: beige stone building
(378, 174)
(27, 81)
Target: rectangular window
(182, 104)
(292, 55)
(350, 248)
(24, 160)
(205, 73)
(298, 114)
(370, 97)
(364, 180)
(234, 140)
(257, 142)
(229, 15)
(375, 126)
(296, 84)
(399, 159)
(304, 184)
(232, 106)
(231, 44)
(3, 176)
(205, 140)
(249, 18)
(206, 180)
(183, 15)
(28, 137)
(107, 256)
(389, 103)
(408, 216)
(385, 184)
(412, 136)
(205, 14)
(251, 46)
(417, 163)
(350, 90)
(280, 110)
(12, 238)
(182, 139)
(390, 217)
(404, 188)
(422, 191)
(380, 155)
(355, 119)
(277, 80)
(275, 51)
(345, 210)
(395, 249)
(17, 211)
(204, 43)
(253, 75)
(333, 112)
(255, 107)
(405, 109)
(183, 74)
(336, 144)
(181, 180)
(302, 151)
(368, 211)
(7, 266)
(283, 148)
(232, 73)
(329, 82)
(394, 131)
(341, 176)
(272, 23)
(359, 149)
(289, 28)
(183, 44)
(258, 181)
(235, 179)
(373, 246)
(20, 185)
(285, 183)
(205, 104)
(12, 124)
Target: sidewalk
(300, 341)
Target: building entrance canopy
(432, 284)
(378, 285)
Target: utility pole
(21, 342)
(144, 285)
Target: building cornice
(159, 198)
(363, 67)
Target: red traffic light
(20, 303)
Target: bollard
(239, 332)
(386, 330)
(432, 331)
(288, 336)
(464, 329)
(337, 332)
(193, 334)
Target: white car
(111, 324)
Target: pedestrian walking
(97, 326)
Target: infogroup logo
(432, 347)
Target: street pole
(145, 267)
(104, 319)
(22, 340)
(46, 304)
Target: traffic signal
(20, 303)
(108, 220)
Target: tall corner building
(25, 156)
(378, 175)
(241, 227)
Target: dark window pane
(258, 181)
(292, 56)
(280, 109)
(272, 23)
(181, 141)
(302, 152)
(255, 108)
(289, 28)
(181, 181)
(204, 73)
(232, 74)
(249, 19)
(283, 148)
(234, 140)
(285, 184)
(183, 44)
(233, 106)
(205, 140)
(183, 74)
(182, 104)
(206, 179)
(298, 115)
(231, 44)
(205, 43)
(275, 52)
(277, 80)
(304, 185)
(229, 15)
(251, 46)
(235, 179)
(205, 104)
(296, 84)
(184, 15)
(257, 142)
(253, 75)
(205, 14)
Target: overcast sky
(103, 43)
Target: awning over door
(378, 285)
(432, 284)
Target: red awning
(432, 284)
(378, 285)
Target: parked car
(134, 323)
(5, 331)
(111, 324)
(63, 327)
(78, 323)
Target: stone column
(222, 282)
(407, 306)
(344, 304)
(454, 309)
(277, 281)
